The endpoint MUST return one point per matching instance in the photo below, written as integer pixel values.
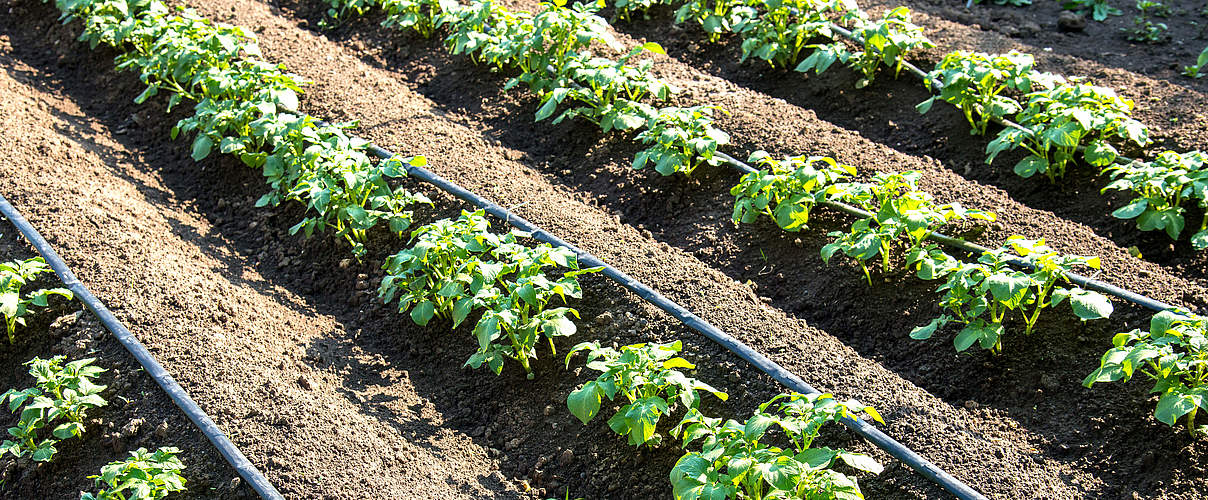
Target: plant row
(979, 297)
(458, 270)
(1059, 120)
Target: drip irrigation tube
(228, 450)
(761, 362)
(1078, 279)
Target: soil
(333, 395)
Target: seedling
(716, 17)
(649, 377)
(735, 460)
(903, 216)
(1146, 31)
(1173, 352)
(780, 33)
(1200, 68)
(61, 393)
(143, 476)
(15, 307)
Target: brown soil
(334, 396)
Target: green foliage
(886, 42)
(15, 307)
(649, 377)
(1099, 9)
(1057, 121)
(1200, 68)
(680, 139)
(457, 267)
(716, 17)
(607, 92)
(1159, 190)
(980, 295)
(143, 476)
(977, 83)
(248, 108)
(903, 216)
(779, 33)
(786, 190)
(736, 461)
(1146, 31)
(1173, 352)
(61, 393)
(423, 16)
(1153, 8)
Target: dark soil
(333, 395)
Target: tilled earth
(333, 395)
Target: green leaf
(1031, 165)
(861, 461)
(584, 403)
(1131, 210)
(1090, 305)
(422, 313)
(201, 147)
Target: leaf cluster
(143, 476)
(786, 190)
(680, 140)
(649, 378)
(737, 460)
(455, 268)
(902, 217)
(1099, 9)
(1160, 189)
(59, 399)
(980, 295)
(1173, 353)
(984, 86)
(17, 307)
(248, 108)
(1056, 122)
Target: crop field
(628, 249)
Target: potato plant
(607, 93)
(786, 190)
(457, 267)
(903, 216)
(16, 307)
(680, 140)
(785, 28)
(1099, 9)
(1056, 122)
(1173, 352)
(980, 295)
(143, 476)
(978, 83)
(649, 378)
(1159, 190)
(736, 460)
(715, 17)
(60, 398)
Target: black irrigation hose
(228, 450)
(761, 362)
(973, 248)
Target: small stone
(566, 457)
(604, 319)
(1071, 22)
(511, 445)
(235, 482)
(131, 428)
(549, 410)
(972, 405)
(304, 382)
(161, 430)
